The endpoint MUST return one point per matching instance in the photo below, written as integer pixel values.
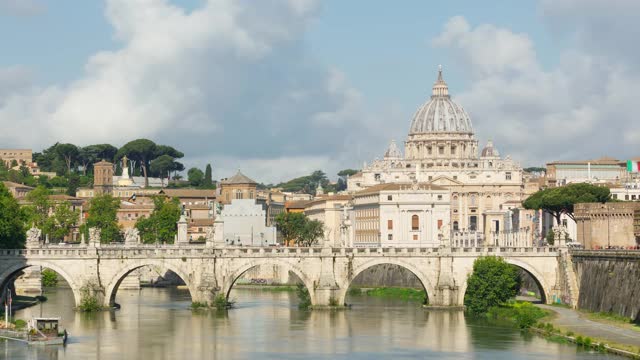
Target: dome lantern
(440, 113)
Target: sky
(281, 88)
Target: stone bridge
(327, 273)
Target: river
(158, 324)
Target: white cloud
(231, 78)
(583, 107)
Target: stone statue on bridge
(94, 237)
(210, 234)
(33, 237)
(131, 236)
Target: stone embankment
(609, 281)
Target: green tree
(297, 228)
(72, 185)
(195, 177)
(12, 221)
(103, 211)
(311, 232)
(168, 150)
(162, 225)
(290, 226)
(208, 179)
(38, 208)
(561, 200)
(141, 151)
(492, 283)
(62, 221)
(162, 165)
(69, 153)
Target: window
(507, 175)
(633, 197)
(453, 150)
(238, 194)
(473, 223)
(430, 177)
(415, 223)
(439, 223)
(441, 150)
(626, 197)
(390, 237)
(389, 197)
(250, 194)
(615, 196)
(429, 150)
(389, 224)
(455, 225)
(564, 222)
(376, 177)
(455, 177)
(439, 197)
(415, 237)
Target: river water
(157, 324)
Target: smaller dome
(392, 151)
(489, 150)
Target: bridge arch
(10, 272)
(424, 280)
(230, 280)
(545, 290)
(116, 280)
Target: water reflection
(157, 324)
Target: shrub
(526, 314)
(221, 302)
(601, 347)
(492, 283)
(198, 305)
(333, 301)
(89, 302)
(355, 291)
(570, 333)
(49, 278)
(20, 324)
(587, 342)
(303, 296)
(579, 340)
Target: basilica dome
(440, 114)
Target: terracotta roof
(299, 204)
(103, 162)
(239, 178)
(193, 193)
(325, 198)
(63, 197)
(398, 186)
(11, 184)
(197, 207)
(201, 222)
(602, 161)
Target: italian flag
(633, 166)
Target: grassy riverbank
(408, 294)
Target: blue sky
(285, 87)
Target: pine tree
(208, 181)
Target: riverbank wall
(609, 281)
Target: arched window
(415, 222)
(238, 194)
(455, 226)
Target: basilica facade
(441, 149)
